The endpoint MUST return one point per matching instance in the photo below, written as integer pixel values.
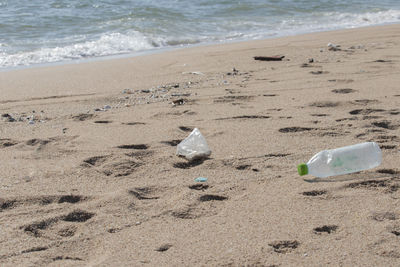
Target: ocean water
(45, 31)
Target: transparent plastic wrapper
(194, 146)
(343, 160)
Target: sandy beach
(90, 177)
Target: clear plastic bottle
(343, 160)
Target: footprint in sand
(186, 213)
(394, 112)
(141, 154)
(135, 146)
(103, 122)
(34, 142)
(34, 249)
(314, 193)
(185, 129)
(232, 98)
(37, 229)
(83, 117)
(385, 124)
(133, 123)
(341, 80)
(7, 204)
(42, 144)
(319, 72)
(269, 95)
(295, 129)
(143, 193)
(188, 164)
(365, 101)
(174, 142)
(324, 104)
(121, 168)
(284, 246)
(201, 187)
(196, 209)
(97, 160)
(209, 197)
(343, 91)
(390, 185)
(396, 233)
(366, 111)
(386, 247)
(109, 165)
(394, 229)
(319, 115)
(245, 117)
(388, 147)
(326, 229)
(68, 231)
(77, 216)
(383, 216)
(5, 142)
(59, 258)
(243, 167)
(163, 247)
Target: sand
(89, 175)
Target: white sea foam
(335, 20)
(108, 44)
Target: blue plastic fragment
(201, 179)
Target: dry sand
(81, 187)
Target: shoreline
(141, 64)
(156, 50)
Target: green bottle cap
(302, 169)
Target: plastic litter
(201, 179)
(343, 160)
(333, 47)
(194, 146)
(193, 72)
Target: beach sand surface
(89, 174)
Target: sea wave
(107, 44)
(337, 20)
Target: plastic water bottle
(343, 160)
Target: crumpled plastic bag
(194, 146)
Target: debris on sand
(270, 58)
(194, 147)
(334, 47)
